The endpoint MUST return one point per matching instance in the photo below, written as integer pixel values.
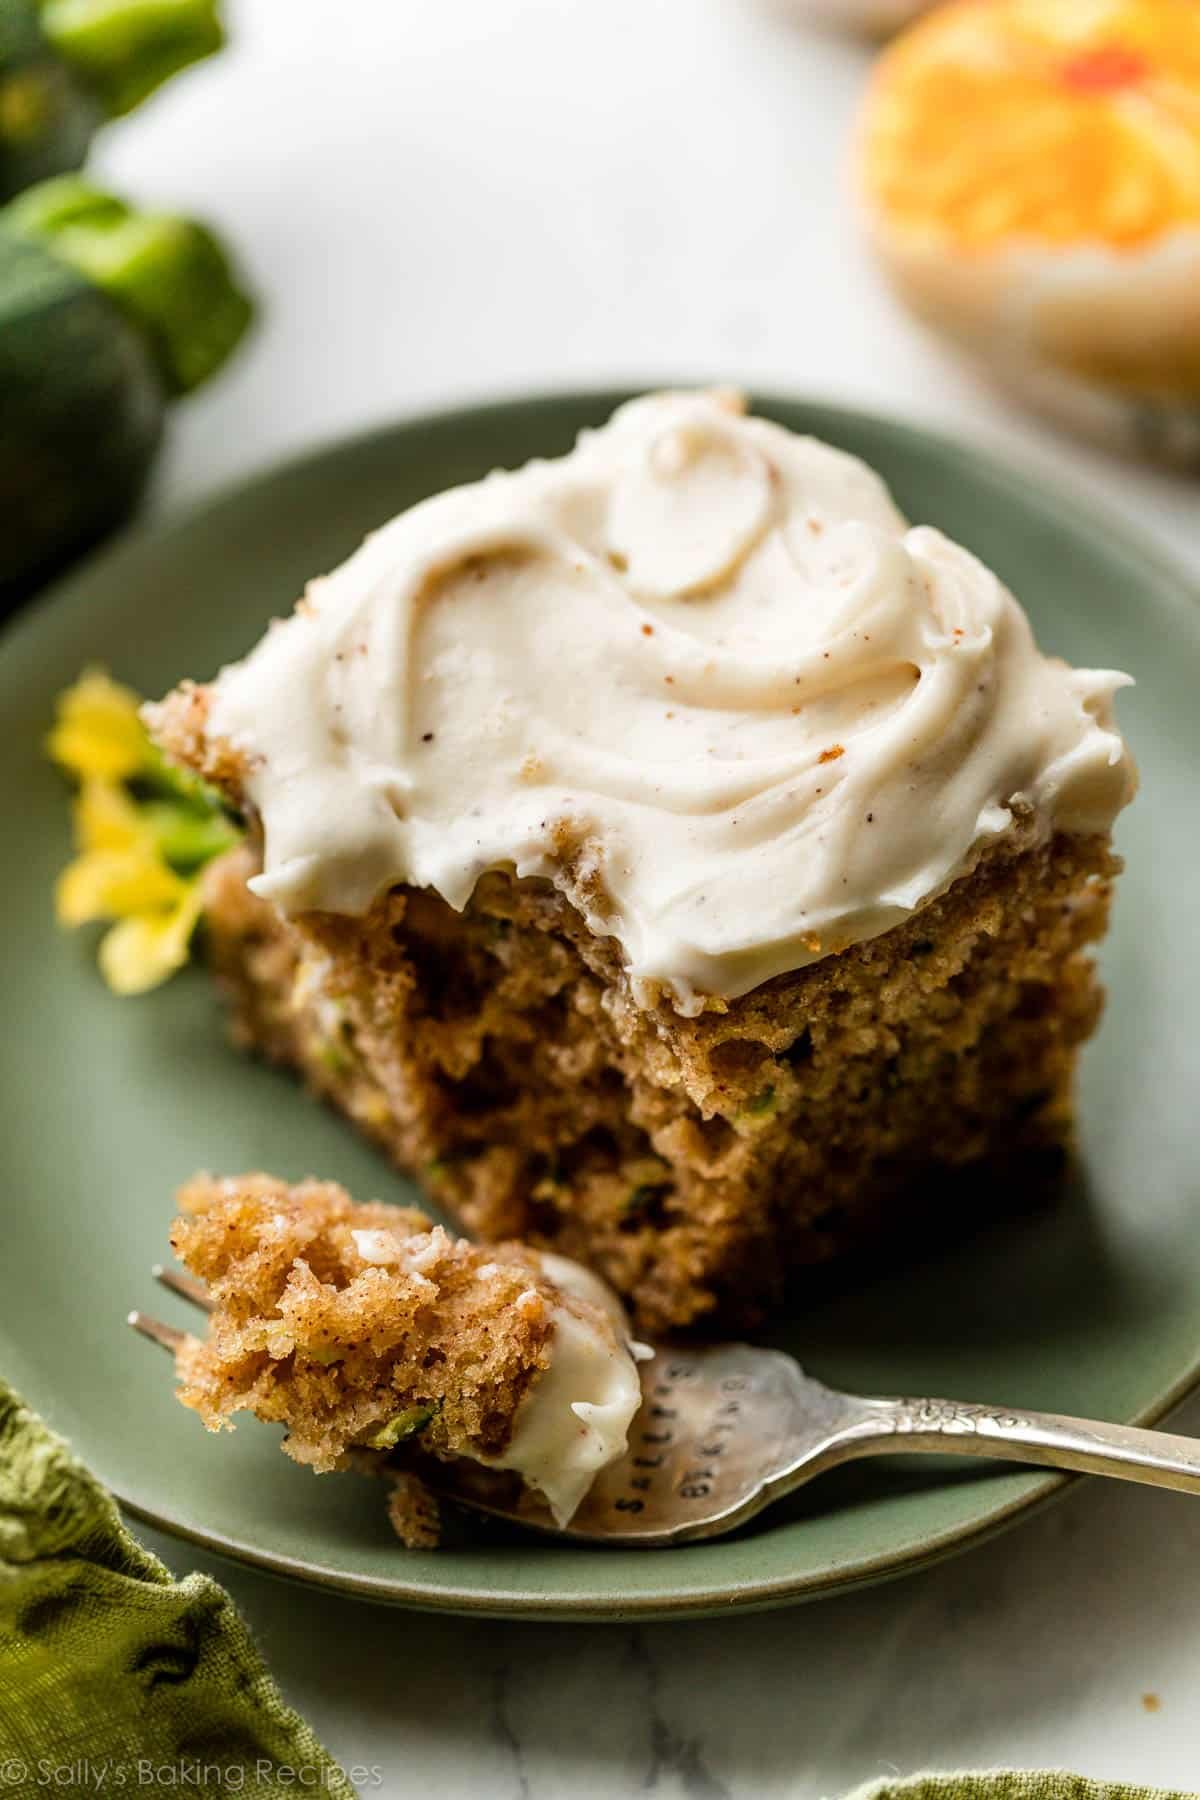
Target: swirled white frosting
(699, 674)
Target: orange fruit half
(1031, 169)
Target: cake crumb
(529, 1306)
(413, 1512)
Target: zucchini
(168, 274)
(105, 315)
(81, 414)
(47, 117)
(68, 65)
(121, 50)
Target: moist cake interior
(697, 1163)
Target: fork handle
(1158, 1458)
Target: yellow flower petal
(106, 818)
(98, 731)
(143, 951)
(110, 884)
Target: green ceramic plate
(1091, 1308)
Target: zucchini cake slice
(669, 855)
(368, 1332)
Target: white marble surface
(443, 199)
(1038, 1649)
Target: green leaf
(124, 49)
(187, 838)
(159, 775)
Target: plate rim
(597, 1606)
(1122, 537)
(1123, 540)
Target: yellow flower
(145, 948)
(121, 874)
(119, 869)
(105, 818)
(110, 882)
(140, 848)
(98, 731)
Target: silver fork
(726, 1430)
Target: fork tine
(184, 1285)
(164, 1335)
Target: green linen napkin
(1010, 1784)
(112, 1674)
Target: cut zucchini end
(169, 274)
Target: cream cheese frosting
(575, 1419)
(699, 674)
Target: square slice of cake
(668, 854)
